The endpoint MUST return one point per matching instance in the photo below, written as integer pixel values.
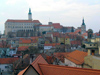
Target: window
(90, 44)
(6, 66)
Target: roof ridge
(35, 60)
(74, 68)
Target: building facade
(21, 25)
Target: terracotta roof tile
(75, 42)
(61, 55)
(36, 21)
(55, 34)
(48, 69)
(84, 34)
(77, 31)
(43, 68)
(52, 44)
(35, 63)
(57, 25)
(76, 56)
(22, 40)
(23, 21)
(7, 60)
(23, 48)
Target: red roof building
(23, 48)
(76, 57)
(57, 25)
(7, 60)
(40, 67)
(24, 21)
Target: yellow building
(28, 42)
(92, 62)
(67, 40)
(61, 40)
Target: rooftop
(76, 57)
(24, 21)
(42, 68)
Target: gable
(30, 71)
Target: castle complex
(21, 25)
(30, 27)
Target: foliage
(32, 50)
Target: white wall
(70, 63)
(47, 47)
(2, 66)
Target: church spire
(29, 14)
(29, 11)
(83, 22)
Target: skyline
(68, 12)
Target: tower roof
(29, 11)
(83, 22)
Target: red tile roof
(76, 57)
(17, 54)
(35, 63)
(35, 37)
(69, 27)
(43, 68)
(23, 48)
(52, 44)
(65, 70)
(39, 59)
(75, 42)
(77, 31)
(7, 60)
(22, 40)
(23, 21)
(67, 37)
(36, 21)
(57, 25)
(55, 34)
(61, 55)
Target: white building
(12, 25)
(7, 63)
(47, 28)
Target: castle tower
(29, 14)
(90, 35)
(83, 27)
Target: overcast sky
(65, 12)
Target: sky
(65, 12)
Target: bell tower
(29, 14)
(83, 27)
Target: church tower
(29, 14)
(83, 27)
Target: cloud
(66, 12)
